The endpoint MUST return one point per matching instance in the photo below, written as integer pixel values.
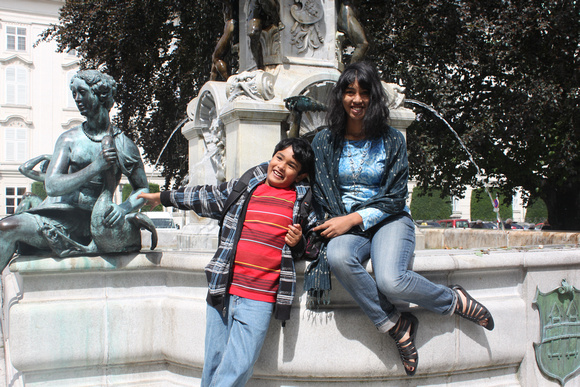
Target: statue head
(101, 84)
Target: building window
(13, 198)
(15, 144)
(455, 204)
(16, 85)
(16, 38)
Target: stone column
(253, 128)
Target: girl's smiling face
(355, 101)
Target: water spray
(479, 176)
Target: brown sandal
(407, 350)
(472, 310)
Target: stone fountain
(138, 319)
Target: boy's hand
(153, 199)
(293, 235)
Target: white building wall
(44, 114)
(48, 110)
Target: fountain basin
(139, 319)
(482, 239)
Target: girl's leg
(392, 249)
(346, 255)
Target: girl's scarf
(328, 203)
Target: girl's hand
(293, 235)
(338, 226)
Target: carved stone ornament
(558, 352)
(272, 46)
(306, 29)
(395, 95)
(214, 136)
(258, 85)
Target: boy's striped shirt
(259, 251)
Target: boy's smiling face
(283, 169)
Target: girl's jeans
(390, 250)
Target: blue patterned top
(391, 189)
(360, 172)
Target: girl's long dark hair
(375, 121)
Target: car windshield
(163, 223)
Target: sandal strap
(407, 349)
(472, 310)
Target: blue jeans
(233, 342)
(390, 249)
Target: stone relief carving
(272, 47)
(306, 31)
(395, 95)
(214, 139)
(257, 85)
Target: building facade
(36, 105)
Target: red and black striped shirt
(259, 251)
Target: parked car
(529, 226)
(427, 224)
(490, 225)
(162, 219)
(164, 223)
(454, 223)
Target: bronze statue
(218, 64)
(348, 23)
(85, 168)
(27, 169)
(262, 14)
(297, 105)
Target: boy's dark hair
(377, 114)
(302, 152)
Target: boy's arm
(153, 199)
(205, 200)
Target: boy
(252, 273)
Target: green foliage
(482, 207)
(427, 205)
(537, 212)
(505, 75)
(38, 189)
(153, 188)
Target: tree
(428, 205)
(537, 212)
(505, 74)
(159, 51)
(481, 207)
